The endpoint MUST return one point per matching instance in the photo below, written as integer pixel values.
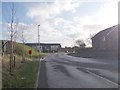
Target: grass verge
(26, 75)
(23, 75)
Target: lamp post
(39, 39)
(39, 59)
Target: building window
(104, 39)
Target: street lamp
(39, 38)
(38, 56)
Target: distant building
(106, 39)
(70, 49)
(45, 47)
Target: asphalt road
(63, 71)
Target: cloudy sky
(61, 21)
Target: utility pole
(39, 40)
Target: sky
(61, 21)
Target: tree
(11, 36)
(12, 29)
(23, 41)
(80, 43)
(92, 35)
(89, 39)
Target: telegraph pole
(39, 41)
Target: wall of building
(46, 47)
(106, 41)
(112, 40)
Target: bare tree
(23, 41)
(92, 35)
(11, 34)
(89, 39)
(80, 43)
(13, 37)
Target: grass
(22, 50)
(24, 74)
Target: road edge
(38, 73)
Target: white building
(46, 47)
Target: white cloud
(106, 17)
(109, 14)
(62, 21)
(45, 15)
(51, 9)
(59, 29)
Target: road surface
(62, 71)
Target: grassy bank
(24, 74)
(22, 50)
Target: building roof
(106, 32)
(43, 44)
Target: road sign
(30, 52)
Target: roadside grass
(25, 76)
(25, 73)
